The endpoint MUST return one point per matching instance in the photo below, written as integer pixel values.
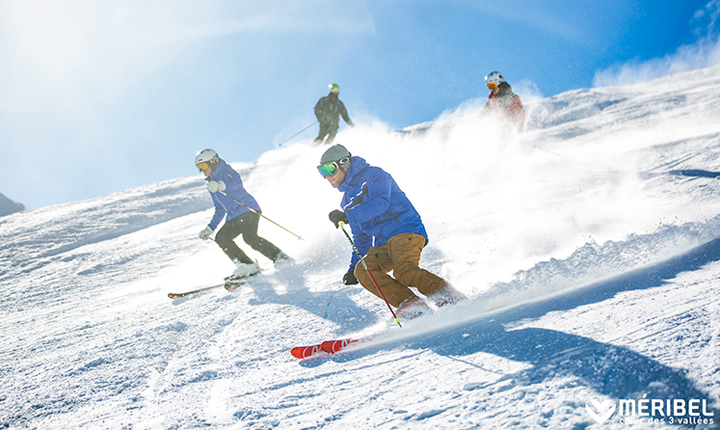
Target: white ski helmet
(208, 157)
(494, 78)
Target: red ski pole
(362, 260)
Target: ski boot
(447, 295)
(283, 259)
(413, 308)
(242, 272)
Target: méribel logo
(601, 411)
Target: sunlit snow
(590, 246)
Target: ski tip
(301, 352)
(174, 296)
(327, 347)
(297, 352)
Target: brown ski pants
(401, 255)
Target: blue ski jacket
(376, 207)
(225, 206)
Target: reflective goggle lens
(492, 85)
(202, 166)
(328, 169)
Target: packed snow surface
(589, 245)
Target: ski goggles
(202, 166)
(329, 169)
(492, 85)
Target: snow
(590, 247)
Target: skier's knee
(407, 274)
(362, 276)
(255, 242)
(223, 241)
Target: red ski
(327, 347)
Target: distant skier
(503, 100)
(387, 230)
(328, 111)
(223, 182)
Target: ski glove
(205, 234)
(349, 278)
(215, 186)
(337, 217)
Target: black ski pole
(258, 213)
(284, 141)
(362, 260)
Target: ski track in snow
(590, 246)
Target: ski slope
(590, 247)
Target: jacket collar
(218, 169)
(502, 88)
(357, 165)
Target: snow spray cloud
(705, 52)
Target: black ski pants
(327, 129)
(245, 224)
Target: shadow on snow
(696, 173)
(335, 306)
(615, 371)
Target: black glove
(337, 217)
(349, 278)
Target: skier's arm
(318, 110)
(489, 106)
(233, 187)
(373, 201)
(219, 212)
(344, 114)
(233, 182)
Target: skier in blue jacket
(387, 230)
(223, 183)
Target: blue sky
(100, 96)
